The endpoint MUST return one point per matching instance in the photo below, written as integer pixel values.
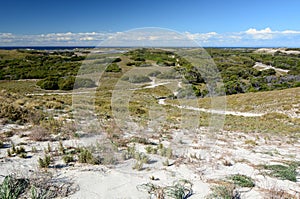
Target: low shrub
(139, 79)
(288, 172)
(242, 180)
(68, 158)
(86, 156)
(12, 187)
(44, 162)
(113, 67)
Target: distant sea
(43, 47)
(82, 47)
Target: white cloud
(260, 34)
(201, 36)
(250, 37)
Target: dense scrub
(58, 69)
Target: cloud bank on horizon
(249, 38)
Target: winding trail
(222, 112)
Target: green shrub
(154, 73)
(139, 79)
(181, 189)
(225, 191)
(138, 166)
(61, 148)
(113, 67)
(283, 172)
(9, 153)
(242, 180)
(12, 187)
(20, 150)
(117, 60)
(86, 156)
(23, 155)
(66, 83)
(44, 162)
(49, 83)
(68, 158)
(1, 144)
(84, 83)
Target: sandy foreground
(201, 158)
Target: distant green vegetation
(58, 69)
(65, 83)
(38, 64)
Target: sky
(209, 22)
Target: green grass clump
(242, 180)
(151, 150)
(12, 187)
(113, 67)
(86, 156)
(283, 172)
(181, 189)
(224, 191)
(68, 158)
(138, 165)
(44, 162)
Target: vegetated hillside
(58, 69)
(235, 65)
(31, 64)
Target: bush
(113, 68)
(139, 79)
(226, 191)
(242, 180)
(12, 187)
(68, 158)
(66, 83)
(49, 83)
(84, 83)
(86, 156)
(44, 162)
(283, 172)
(168, 75)
(138, 166)
(117, 60)
(154, 73)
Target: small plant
(138, 166)
(68, 158)
(251, 142)
(227, 163)
(9, 153)
(181, 189)
(49, 148)
(23, 155)
(224, 191)
(242, 180)
(12, 187)
(13, 148)
(61, 148)
(44, 162)
(166, 163)
(166, 152)
(20, 150)
(151, 150)
(1, 144)
(33, 149)
(86, 156)
(283, 172)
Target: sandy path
(260, 66)
(222, 112)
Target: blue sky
(210, 22)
